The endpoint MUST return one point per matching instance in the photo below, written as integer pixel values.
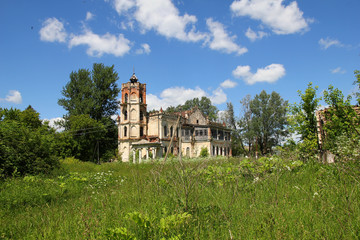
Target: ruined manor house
(154, 133)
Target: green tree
(26, 145)
(341, 117)
(246, 132)
(87, 133)
(94, 95)
(237, 146)
(268, 119)
(204, 104)
(303, 120)
(357, 83)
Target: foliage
(90, 99)
(357, 82)
(246, 132)
(341, 117)
(204, 152)
(167, 227)
(268, 120)
(204, 104)
(26, 145)
(303, 121)
(94, 93)
(268, 198)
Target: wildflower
(315, 194)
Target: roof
(133, 78)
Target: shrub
(204, 152)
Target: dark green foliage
(268, 120)
(204, 104)
(90, 99)
(94, 93)
(26, 145)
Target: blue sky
(181, 48)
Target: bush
(26, 145)
(204, 152)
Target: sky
(181, 49)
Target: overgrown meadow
(218, 198)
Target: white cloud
(161, 16)
(328, 42)
(122, 6)
(89, 16)
(252, 35)
(270, 73)
(99, 45)
(13, 96)
(171, 97)
(53, 121)
(218, 96)
(280, 18)
(338, 70)
(228, 84)
(221, 40)
(53, 31)
(145, 49)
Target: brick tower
(132, 122)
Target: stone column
(140, 151)
(134, 156)
(147, 153)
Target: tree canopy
(27, 145)
(269, 120)
(91, 99)
(204, 104)
(94, 93)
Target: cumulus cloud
(253, 36)
(338, 70)
(53, 123)
(53, 31)
(99, 45)
(122, 6)
(145, 49)
(270, 73)
(218, 96)
(14, 96)
(161, 16)
(280, 18)
(89, 16)
(220, 40)
(228, 84)
(328, 42)
(171, 97)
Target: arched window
(125, 131)
(125, 115)
(126, 97)
(171, 131)
(141, 98)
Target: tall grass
(270, 198)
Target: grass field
(219, 198)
